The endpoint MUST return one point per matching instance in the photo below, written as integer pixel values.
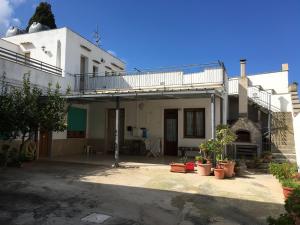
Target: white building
(176, 108)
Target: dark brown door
(111, 128)
(171, 132)
(45, 144)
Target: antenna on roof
(96, 36)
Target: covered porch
(154, 114)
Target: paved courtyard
(63, 193)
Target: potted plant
(224, 137)
(178, 167)
(204, 167)
(267, 156)
(292, 214)
(288, 186)
(285, 173)
(204, 164)
(219, 172)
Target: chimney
(243, 67)
(285, 67)
(243, 90)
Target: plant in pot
(219, 172)
(267, 156)
(292, 214)
(225, 136)
(179, 167)
(204, 164)
(285, 173)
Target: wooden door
(170, 131)
(45, 144)
(111, 128)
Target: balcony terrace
(205, 76)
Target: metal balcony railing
(210, 74)
(30, 62)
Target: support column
(225, 108)
(269, 121)
(116, 164)
(213, 112)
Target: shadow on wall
(56, 192)
(283, 104)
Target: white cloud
(7, 8)
(15, 22)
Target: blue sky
(159, 33)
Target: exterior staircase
(295, 102)
(282, 138)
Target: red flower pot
(287, 191)
(219, 173)
(178, 167)
(204, 169)
(190, 166)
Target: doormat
(95, 218)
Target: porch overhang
(150, 94)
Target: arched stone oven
(243, 136)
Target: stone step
(284, 156)
(284, 160)
(285, 151)
(297, 106)
(295, 101)
(262, 166)
(283, 144)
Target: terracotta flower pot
(287, 191)
(204, 169)
(228, 168)
(219, 173)
(178, 167)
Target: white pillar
(116, 164)
(213, 112)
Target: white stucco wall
(33, 43)
(74, 51)
(70, 50)
(10, 46)
(16, 72)
(282, 103)
(277, 81)
(150, 114)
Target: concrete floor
(62, 193)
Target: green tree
(25, 110)
(43, 14)
(8, 114)
(53, 110)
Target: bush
(9, 156)
(290, 183)
(292, 207)
(283, 171)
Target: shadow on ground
(52, 193)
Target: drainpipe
(116, 164)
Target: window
(194, 123)
(95, 71)
(76, 123)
